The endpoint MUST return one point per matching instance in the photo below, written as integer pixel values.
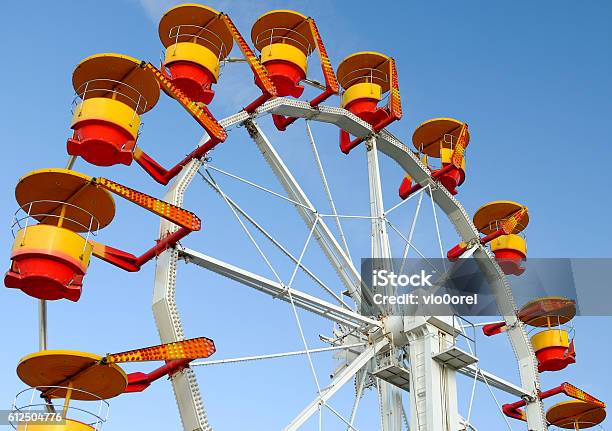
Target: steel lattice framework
(425, 412)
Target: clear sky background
(532, 79)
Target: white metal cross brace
(211, 182)
(330, 199)
(339, 380)
(493, 380)
(333, 250)
(275, 355)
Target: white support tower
(433, 397)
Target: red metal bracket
(131, 263)
(163, 175)
(494, 328)
(455, 252)
(435, 176)
(138, 382)
(187, 221)
(331, 82)
(198, 111)
(514, 410)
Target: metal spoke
(340, 417)
(435, 215)
(497, 402)
(348, 216)
(411, 233)
(399, 204)
(469, 252)
(330, 199)
(246, 230)
(472, 399)
(287, 288)
(297, 317)
(278, 290)
(493, 380)
(339, 380)
(333, 250)
(358, 394)
(282, 248)
(396, 230)
(257, 186)
(274, 355)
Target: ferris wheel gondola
(71, 375)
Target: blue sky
(531, 79)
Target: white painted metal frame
(251, 220)
(339, 380)
(327, 241)
(390, 397)
(279, 291)
(191, 408)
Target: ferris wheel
(413, 360)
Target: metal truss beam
(333, 250)
(278, 291)
(339, 380)
(165, 311)
(493, 380)
(167, 318)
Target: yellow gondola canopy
(196, 23)
(551, 310)
(117, 76)
(91, 379)
(283, 26)
(429, 136)
(497, 210)
(575, 414)
(47, 189)
(366, 66)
